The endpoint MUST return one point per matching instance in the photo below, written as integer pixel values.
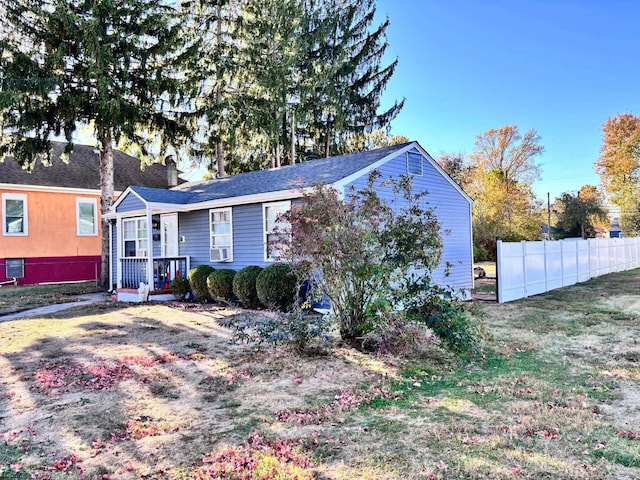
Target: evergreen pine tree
(113, 64)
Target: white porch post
(150, 249)
(119, 243)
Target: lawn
(160, 392)
(15, 299)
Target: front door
(169, 234)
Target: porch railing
(165, 269)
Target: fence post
(498, 263)
(523, 243)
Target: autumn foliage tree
(501, 169)
(619, 168)
(363, 252)
(579, 214)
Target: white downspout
(150, 249)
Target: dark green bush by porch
(276, 287)
(244, 286)
(179, 287)
(220, 284)
(198, 280)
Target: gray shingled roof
(325, 170)
(82, 171)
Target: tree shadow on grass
(117, 381)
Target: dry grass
(15, 299)
(160, 392)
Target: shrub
(357, 248)
(449, 321)
(179, 287)
(244, 286)
(276, 287)
(198, 280)
(220, 284)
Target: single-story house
(51, 220)
(159, 234)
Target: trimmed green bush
(244, 286)
(179, 287)
(220, 284)
(198, 280)
(276, 287)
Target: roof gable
(338, 171)
(82, 171)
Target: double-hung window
(86, 217)
(14, 214)
(274, 230)
(221, 229)
(135, 237)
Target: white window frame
(212, 235)
(25, 214)
(265, 232)
(409, 172)
(140, 252)
(94, 203)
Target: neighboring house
(51, 217)
(614, 229)
(227, 222)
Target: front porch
(157, 273)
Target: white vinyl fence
(529, 268)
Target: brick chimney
(172, 171)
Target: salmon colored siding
(52, 250)
(52, 228)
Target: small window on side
(414, 163)
(15, 268)
(86, 217)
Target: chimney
(172, 171)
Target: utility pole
(548, 216)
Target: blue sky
(560, 67)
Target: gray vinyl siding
(248, 237)
(130, 203)
(453, 212)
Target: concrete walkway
(86, 299)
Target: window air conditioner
(220, 254)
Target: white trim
(127, 191)
(119, 245)
(150, 271)
(162, 234)
(111, 256)
(280, 194)
(211, 204)
(122, 240)
(52, 189)
(93, 202)
(25, 214)
(264, 226)
(211, 247)
(341, 184)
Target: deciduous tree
(619, 167)
(502, 168)
(506, 150)
(579, 214)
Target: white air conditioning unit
(220, 254)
